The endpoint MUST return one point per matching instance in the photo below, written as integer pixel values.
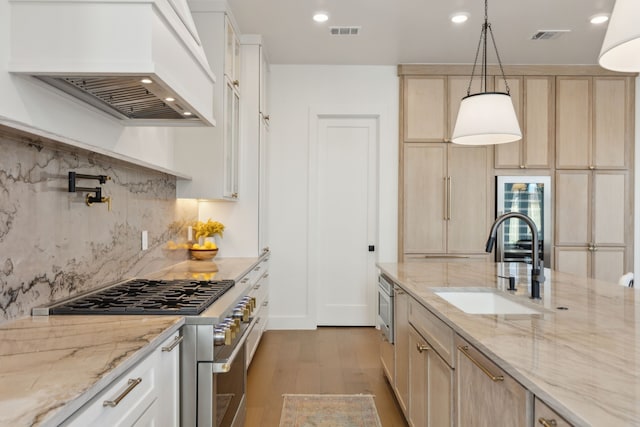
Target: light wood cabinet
(592, 227)
(430, 386)
(441, 183)
(387, 358)
(430, 369)
(458, 86)
(593, 124)
(486, 395)
(401, 346)
(425, 109)
(533, 99)
(544, 416)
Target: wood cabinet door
(573, 122)
(610, 103)
(418, 364)
(544, 414)
(457, 87)
(439, 392)
(510, 155)
(424, 204)
(609, 203)
(573, 260)
(538, 121)
(573, 208)
(401, 347)
(608, 263)
(469, 196)
(424, 109)
(486, 402)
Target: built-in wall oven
(385, 308)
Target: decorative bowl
(203, 254)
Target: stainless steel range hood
(138, 60)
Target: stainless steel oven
(214, 369)
(385, 308)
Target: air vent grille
(548, 34)
(344, 31)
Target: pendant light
(621, 47)
(486, 118)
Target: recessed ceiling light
(459, 18)
(186, 113)
(321, 16)
(146, 81)
(600, 18)
(169, 99)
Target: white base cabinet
(147, 394)
(259, 277)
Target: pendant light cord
(483, 42)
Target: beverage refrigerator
(529, 195)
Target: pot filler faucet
(537, 271)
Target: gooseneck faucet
(537, 271)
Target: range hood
(138, 60)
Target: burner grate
(149, 297)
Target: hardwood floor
(328, 360)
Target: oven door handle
(223, 366)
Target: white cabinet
(212, 155)
(259, 278)
(147, 394)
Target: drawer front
(434, 330)
(132, 394)
(546, 417)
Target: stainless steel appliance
(140, 296)
(385, 308)
(531, 196)
(214, 368)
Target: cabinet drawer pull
(245, 280)
(266, 275)
(449, 195)
(547, 423)
(257, 268)
(174, 344)
(422, 347)
(257, 286)
(133, 382)
(266, 303)
(495, 378)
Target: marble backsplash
(52, 245)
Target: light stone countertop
(584, 362)
(51, 365)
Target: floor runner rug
(329, 410)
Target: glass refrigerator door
(531, 196)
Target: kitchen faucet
(537, 271)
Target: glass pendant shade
(486, 118)
(621, 47)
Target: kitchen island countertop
(582, 359)
(51, 365)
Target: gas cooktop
(148, 297)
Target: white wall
(294, 91)
(28, 101)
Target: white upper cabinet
(212, 156)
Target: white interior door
(345, 223)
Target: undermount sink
(474, 301)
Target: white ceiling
(419, 31)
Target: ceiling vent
(344, 31)
(548, 34)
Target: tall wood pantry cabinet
(577, 124)
(594, 163)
